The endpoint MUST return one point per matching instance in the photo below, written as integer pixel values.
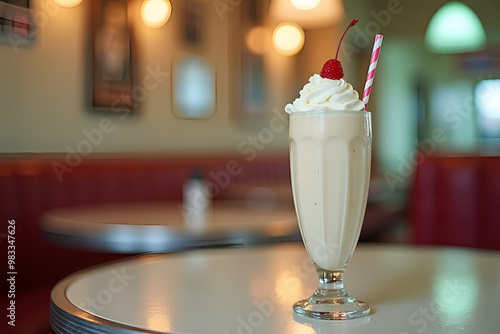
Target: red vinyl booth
(29, 185)
(456, 201)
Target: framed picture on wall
(111, 56)
(193, 86)
(17, 26)
(248, 63)
(194, 69)
(192, 23)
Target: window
(487, 101)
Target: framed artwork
(194, 79)
(192, 23)
(17, 26)
(250, 68)
(193, 87)
(111, 56)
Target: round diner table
(251, 290)
(158, 226)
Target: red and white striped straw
(371, 69)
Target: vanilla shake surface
(330, 157)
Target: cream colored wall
(44, 103)
(44, 89)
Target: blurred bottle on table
(196, 201)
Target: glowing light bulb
(155, 13)
(305, 4)
(288, 38)
(68, 3)
(255, 40)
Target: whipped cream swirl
(320, 93)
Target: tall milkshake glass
(330, 156)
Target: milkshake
(330, 155)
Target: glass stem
(331, 284)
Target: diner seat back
(31, 185)
(455, 201)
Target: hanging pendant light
(454, 28)
(309, 14)
(68, 3)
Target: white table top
(158, 226)
(252, 290)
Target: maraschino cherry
(332, 69)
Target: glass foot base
(334, 308)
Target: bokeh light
(155, 13)
(288, 39)
(305, 4)
(68, 3)
(255, 40)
